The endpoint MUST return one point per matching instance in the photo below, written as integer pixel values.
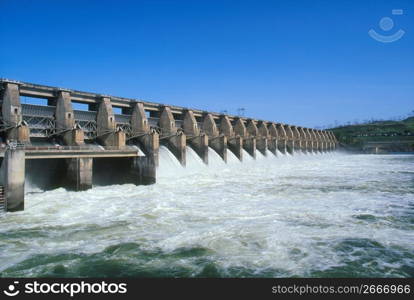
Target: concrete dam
(76, 148)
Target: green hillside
(389, 131)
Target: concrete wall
(15, 129)
(217, 141)
(273, 139)
(296, 138)
(139, 120)
(195, 139)
(65, 121)
(173, 139)
(234, 135)
(79, 175)
(282, 138)
(106, 126)
(14, 179)
(290, 139)
(262, 138)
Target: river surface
(307, 215)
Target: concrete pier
(14, 178)
(234, 139)
(290, 139)
(249, 144)
(79, 177)
(272, 142)
(235, 145)
(144, 168)
(282, 138)
(334, 140)
(220, 145)
(326, 140)
(12, 121)
(329, 144)
(107, 133)
(303, 140)
(65, 121)
(296, 138)
(196, 140)
(200, 145)
(315, 140)
(174, 140)
(309, 143)
(321, 142)
(217, 141)
(248, 140)
(262, 138)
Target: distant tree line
(338, 124)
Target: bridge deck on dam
(50, 152)
(120, 134)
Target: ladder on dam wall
(2, 200)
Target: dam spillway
(123, 148)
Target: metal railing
(38, 110)
(122, 119)
(85, 115)
(94, 148)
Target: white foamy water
(303, 215)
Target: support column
(309, 146)
(234, 140)
(297, 139)
(65, 121)
(174, 140)
(303, 139)
(106, 125)
(79, 173)
(241, 132)
(197, 141)
(144, 168)
(249, 142)
(273, 138)
(13, 178)
(282, 138)
(235, 145)
(321, 143)
(139, 121)
(315, 140)
(216, 141)
(331, 141)
(177, 146)
(328, 140)
(200, 146)
(290, 140)
(16, 129)
(335, 141)
(262, 138)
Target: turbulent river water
(313, 215)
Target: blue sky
(307, 63)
